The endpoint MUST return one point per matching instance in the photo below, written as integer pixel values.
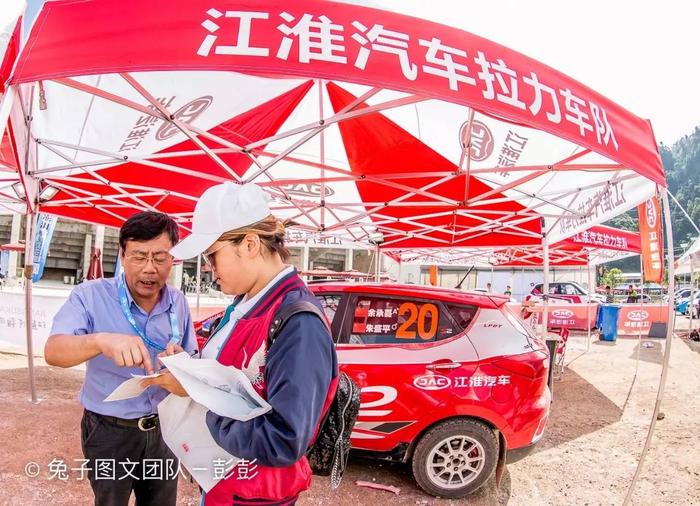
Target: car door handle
(442, 366)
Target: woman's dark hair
(146, 226)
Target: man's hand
(166, 381)
(125, 350)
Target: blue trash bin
(599, 316)
(609, 316)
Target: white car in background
(565, 292)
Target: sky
(640, 54)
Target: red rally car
(452, 382)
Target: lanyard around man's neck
(126, 309)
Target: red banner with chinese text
(652, 240)
(637, 318)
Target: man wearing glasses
(119, 326)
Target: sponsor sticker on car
(432, 382)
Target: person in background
(631, 295)
(608, 295)
(508, 291)
(488, 287)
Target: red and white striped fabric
(355, 121)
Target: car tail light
(529, 365)
(540, 429)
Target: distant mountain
(682, 165)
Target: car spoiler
(497, 299)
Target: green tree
(682, 166)
(612, 277)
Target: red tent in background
(18, 247)
(593, 246)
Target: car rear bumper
(517, 454)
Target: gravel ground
(601, 412)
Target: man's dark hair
(607, 287)
(146, 226)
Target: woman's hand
(167, 381)
(171, 349)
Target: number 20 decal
(414, 315)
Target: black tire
(434, 440)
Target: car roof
(450, 295)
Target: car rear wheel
(455, 458)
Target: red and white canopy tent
(426, 134)
(596, 245)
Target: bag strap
(284, 314)
(279, 321)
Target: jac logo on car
(480, 141)
(562, 313)
(638, 315)
(492, 324)
(187, 114)
(651, 213)
(432, 382)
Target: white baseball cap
(222, 208)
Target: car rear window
(330, 304)
(380, 320)
(571, 290)
(463, 315)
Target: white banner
(13, 334)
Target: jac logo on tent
(492, 324)
(432, 382)
(186, 114)
(306, 190)
(651, 213)
(562, 313)
(480, 141)
(638, 315)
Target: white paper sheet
(224, 390)
(129, 389)
(211, 386)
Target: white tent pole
(641, 295)
(588, 311)
(667, 351)
(199, 280)
(28, 272)
(545, 284)
(684, 212)
(377, 264)
(641, 282)
(692, 295)
(322, 152)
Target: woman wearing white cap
(298, 375)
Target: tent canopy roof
(423, 133)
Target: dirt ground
(600, 415)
